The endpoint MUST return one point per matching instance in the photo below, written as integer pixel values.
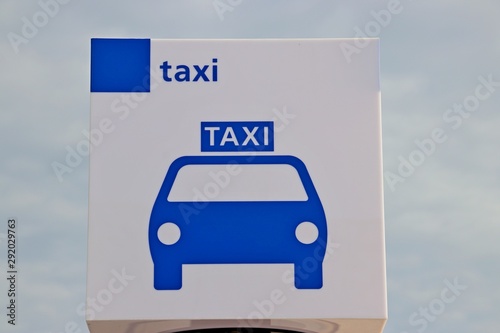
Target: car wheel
(168, 277)
(308, 278)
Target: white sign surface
(235, 183)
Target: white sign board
(235, 183)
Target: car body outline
(238, 232)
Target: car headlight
(307, 232)
(169, 233)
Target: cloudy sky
(440, 76)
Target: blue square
(120, 65)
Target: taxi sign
(239, 186)
(237, 136)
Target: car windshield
(237, 182)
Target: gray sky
(442, 212)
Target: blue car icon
(237, 210)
